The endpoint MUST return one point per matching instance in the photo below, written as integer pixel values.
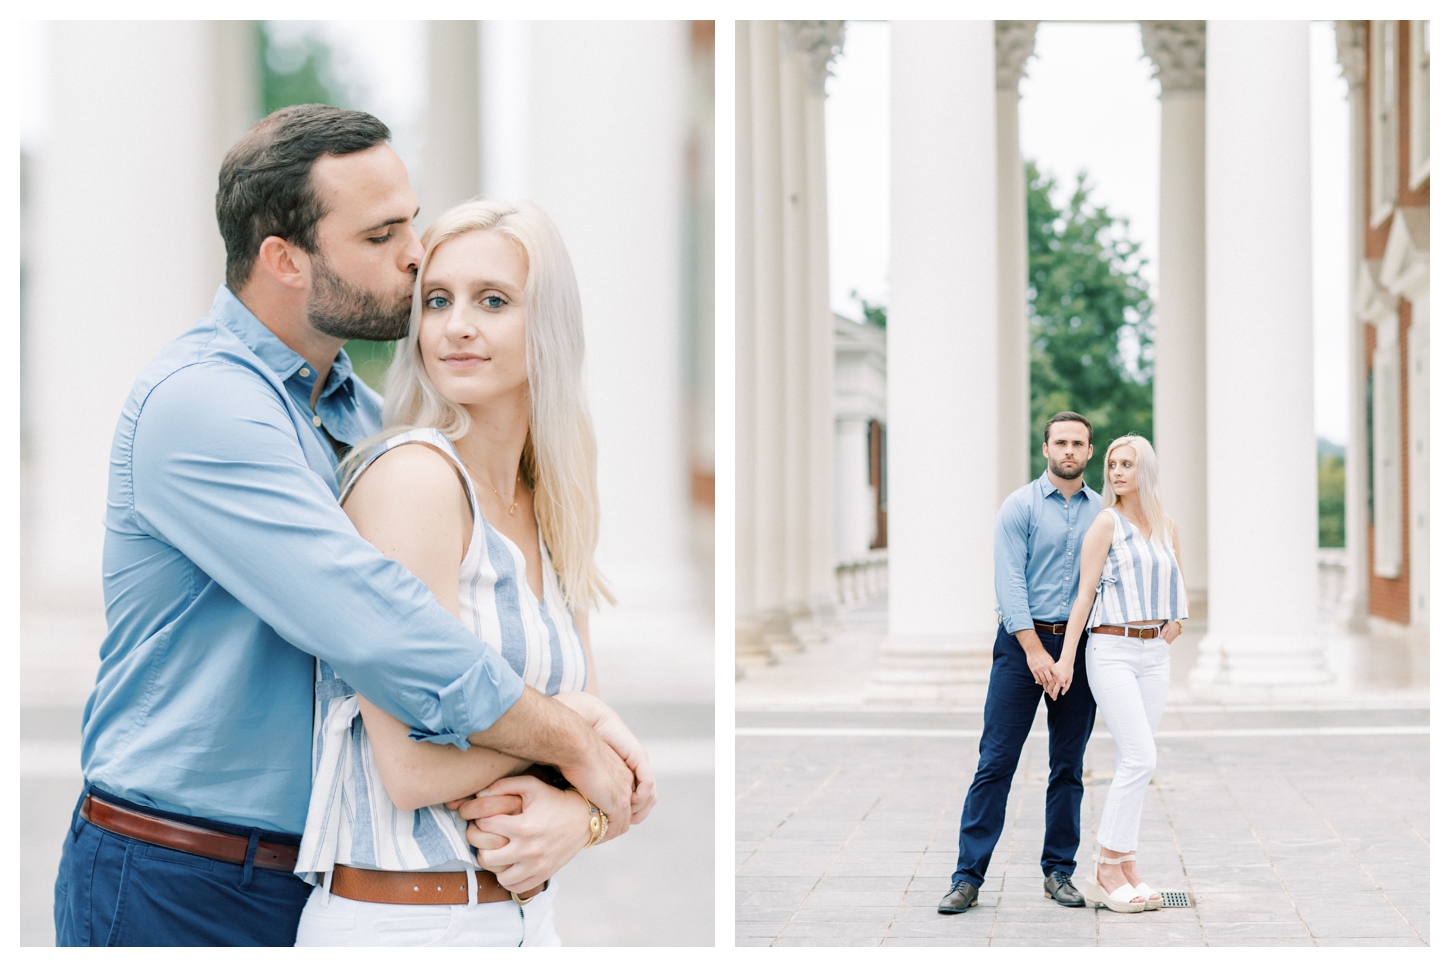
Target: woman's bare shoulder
(418, 471)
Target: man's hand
(1039, 662)
(538, 729)
(608, 783)
(531, 835)
(611, 729)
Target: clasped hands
(525, 830)
(1055, 676)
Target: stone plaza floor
(1302, 824)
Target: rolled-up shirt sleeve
(218, 472)
(1009, 548)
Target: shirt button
(304, 371)
(317, 421)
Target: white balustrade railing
(863, 579)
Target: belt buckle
(520, 900)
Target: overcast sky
(1089, 101)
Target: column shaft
(821, 348)
(942, 356)
(1179, 414)
(747, 624)
(1262, 481)
(770, 337)
(797, 271)
(451, 171)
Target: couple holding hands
(347, 695)
(1090, 594)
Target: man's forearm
(1029, 641)
(539, 729)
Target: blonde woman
(1132, 599)
(483, 485)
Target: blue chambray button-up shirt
(1036, 543)
(228, 564)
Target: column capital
(1349, 42)
(819, 42)
(1015, 42)
(1176, 48)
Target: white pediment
(1406, 268)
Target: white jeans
(1129, 679)
(334, 921)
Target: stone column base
(932, 669)
(751, 649)
(1234, 665)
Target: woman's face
(471, 333)
(1123, 470)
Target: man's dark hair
(265, 186)
(1067, 416)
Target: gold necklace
(511, 507)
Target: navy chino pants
(115, 891)
(1012, 697)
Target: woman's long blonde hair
(559, 455)
(1148, 497)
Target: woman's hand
(611, 728)
(532, 832)
(1172, 630)
(1063, 669)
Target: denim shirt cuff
(1014, 623)
(473, 702)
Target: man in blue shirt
(1039, 531)
(228, 565)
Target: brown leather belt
(1127, 631)
(1047, 629)
(214, 845)
(388, 886)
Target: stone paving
(1302, 823)
(1280, 839)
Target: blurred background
(607, 127)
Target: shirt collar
(227, 309)
(1045, 484)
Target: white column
(770, 339)
(942, 373)
(1176, 48)
(797, 273)
(821, 40)
(451, 166)
(1351, 50)
(748, 642)
(1262, 481)
(607, 114)
(1015, 40)
(142, 112)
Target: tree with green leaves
(1089, 319)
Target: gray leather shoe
(963, 895)
(1058, 886)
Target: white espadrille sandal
(1145, 892)
(1125, 899)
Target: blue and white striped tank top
(350, 819)
(1140, 582)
